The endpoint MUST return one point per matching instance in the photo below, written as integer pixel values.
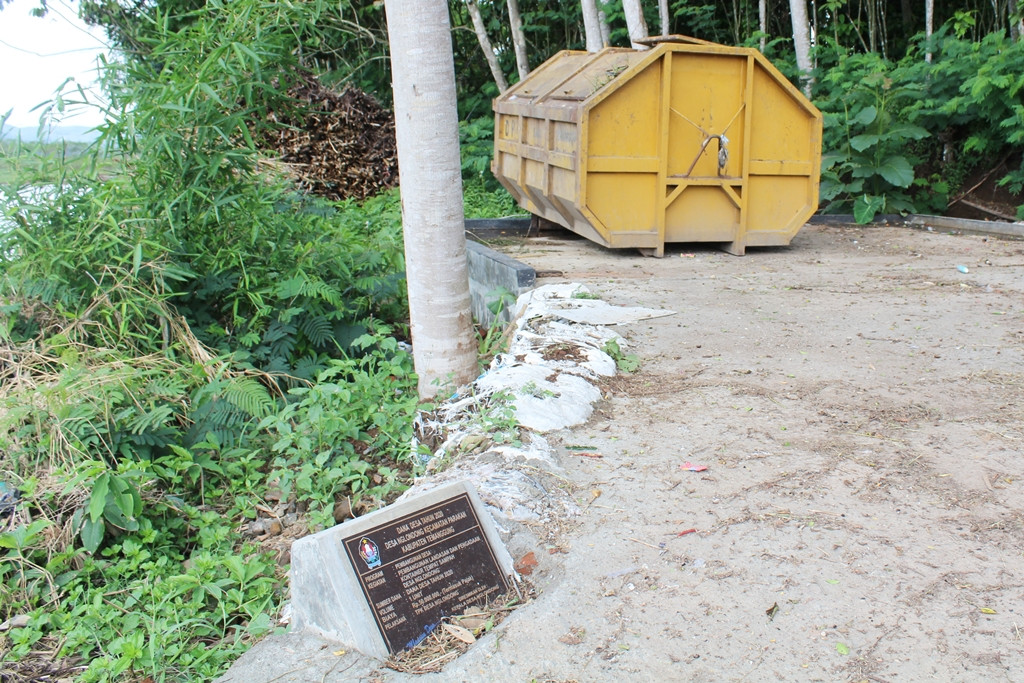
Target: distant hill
(68, 133)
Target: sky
(37, 55)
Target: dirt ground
(857, 401)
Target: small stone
(17, 621)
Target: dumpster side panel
(707, 99)
(785, 161)
(622, 159)
(702, 214)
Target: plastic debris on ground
(490, 433)
(690, 467)
(8, 499)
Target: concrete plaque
(422, 567)
(382, 582)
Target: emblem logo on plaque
(369, 552)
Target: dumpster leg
(736, 247)
(656, 252)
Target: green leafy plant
(868, 168)
(625, 362)
(331, 440)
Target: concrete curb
(490, 270)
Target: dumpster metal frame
(547, 171)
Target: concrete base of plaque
(382, 582)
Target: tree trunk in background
(663, 18)
(518, 39)
(929, 25)
(872, 27)
(591, 25)
(606, 31)
(427, 133)
(635, 23)
(1016, 22)
(802, 42)
(762, 21)
(485, 45)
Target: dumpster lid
(651, 41)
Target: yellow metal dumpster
(686, 142)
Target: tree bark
(635, 23)
(592, 25)
(802, 42)
(663, 18)
(485, 45)
(606, 31)
(762, 21)
(488, 49)
(427, 133)
(1016, 22)
(929, 25)
(872, 27)
(518, 39)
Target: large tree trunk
(663, 17)
(802, 42)
(485, 45)
(592, 25)
(929, 26)
(518, 39)
(427, 133)
(635, 23)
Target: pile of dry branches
(343, 145)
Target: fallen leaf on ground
(461, 633)
(526, 564)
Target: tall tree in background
(762, 21)
(485, 45)
(518, 39)
(427, 133)
(929, 26)
(663, 17)
(592, 25)
(635, 23)
(606, 31)
(802, 42)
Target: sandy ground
(857, 401)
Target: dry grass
(455, 634)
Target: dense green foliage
(902, 136)
(179, 334)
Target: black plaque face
(422, 567)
